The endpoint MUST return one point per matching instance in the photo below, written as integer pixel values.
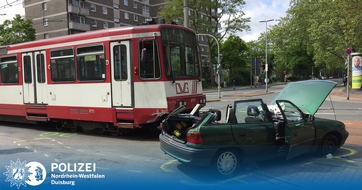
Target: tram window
(149, 60)
(27, 69)
(91, 63)
(62, 65)
(9, 70)
(120, 62)
(180, 53)
(40, 65)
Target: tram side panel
(87, 102)
(11, 100)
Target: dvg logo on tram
(183, 88)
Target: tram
(125, 77)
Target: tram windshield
(180, 53)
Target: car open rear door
(299, 132)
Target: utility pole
(266, 52)
(218, 62)
(186, 14)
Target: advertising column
(356, 70)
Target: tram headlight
(182, 103)
(203, 101)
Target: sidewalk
(338, 93)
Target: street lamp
(266, 52)
(218, 62)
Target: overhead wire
(10, 4)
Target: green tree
(235, 59)
(314, 36)
(16, 31)
(208, 17)
(290, 50)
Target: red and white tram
(126, 77)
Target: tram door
(122, 88)
(34, 78)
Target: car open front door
(299, 131)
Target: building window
(82, 20)
(94, 23)
(145, 8)
(46, 36)
(126, 15)
(93, 7)
(115, 5)
(116, 20)
(105, 25)
(44, 6)
(134, 5)
(135, 17)
(77, 3)
(105, 10)
(45, 22)
(125, 2)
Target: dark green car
(255, 131)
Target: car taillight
(194, 137)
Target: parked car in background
(254, 130)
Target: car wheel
(226, 163)
(329, 145)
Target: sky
(9, 12)
(257, 10)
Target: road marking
(60, 134)
(165, 166)
(351, 152)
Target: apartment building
(53, 18)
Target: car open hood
(307, 95)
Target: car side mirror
(217, 114)
(311, 117)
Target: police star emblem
(17, 173)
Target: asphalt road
(136, 160)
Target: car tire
(226, 163)
(329, 145)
